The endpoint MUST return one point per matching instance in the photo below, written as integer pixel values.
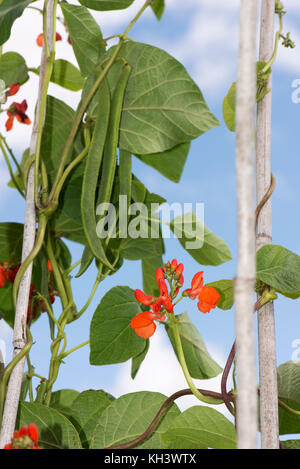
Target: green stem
(73, 164)
(10, 169)
(96, 284)
(9, 150)
(277, 37)
(36, 249)
(48, 72)
(65, 354)
(57, 273)
(181, 358)
(72, 267)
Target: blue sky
(204, 37)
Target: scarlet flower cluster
(25, 438)
(16, 110)
(8, 274)
(208, 297)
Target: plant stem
(47, 71)
(181, 358)
(68, 352)
(10, 169)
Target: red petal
(40, 40)
(208, 299)
(58, 37)
(197, 280)
(147, 331)
(163, 287)
(159, 275)
(9, 122)
(13, 89)
(32, 431)
(143, 319)
(179, 269)
(174, 265)
(2, 278)
(143, 298)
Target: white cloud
(161, 372)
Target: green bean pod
(111, 144)
(91, 173)
(125, 178)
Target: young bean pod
(111, 144)
(91, 173)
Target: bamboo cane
(245, 279)
(19, 337)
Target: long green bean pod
(111, 144)
(91, 174)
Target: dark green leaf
(163, 107)
(140, 248)
(86, 412)
(10, 10)
(58, 125)
(149, 266)
(55, 430)
(138, 360)
(199, 362)
(279, 268)
(86, 260)
(68, 220)
(202, 244)
(229, 108)
(104, 5)
(200, 427)
(112, 340)
(62, 400)
(289, 392)
(85, 35)
(169, 163)
(129, 416)
(13, 68)
(11, 238)
(66, 75)
(291, 444)
(158, 7)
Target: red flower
(164, 294)
(173, 265)
(208, 299)
(25, 438)
(11, 272)
(17, 110)
(2, 276)
(50, 269)
(143, 298)
(40, 39)
(143, 323)
(13, 89)
(196, 286)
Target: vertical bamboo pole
(245, 279)
(266, 323)
(19, 338)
